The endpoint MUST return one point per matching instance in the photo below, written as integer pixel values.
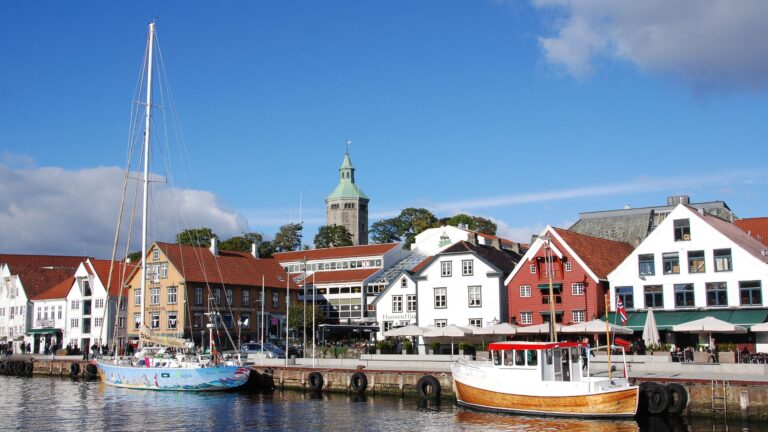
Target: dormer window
(682, 229)
(404, 283)
(155, 254)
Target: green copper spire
(347, 187)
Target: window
(533, 268)
(121, 322)
(155, 255)
(411, 303)
(671, 262)
(557, 291)
(578, 316)
(717, 293)
(441, 301)
(526, 317)
(164, 270)
(397, 304)
(74, 323)
(246, 297)
(387, 325)
(172, 296)
(723, 260)
(61, 312)
(475, 297)
(568, 266)
(86, 288)
(626, 293)
(682, 229)
(99, 303)
(155, 320)
(136, 321)
(97, 322)
(466, 267)
(217, 296)
(198, 295)
(684, 295)
(137, 297)
(445, 269)
(154, 296)
(172, 321)
(275, 298)
(75, 305)
(403, 283)
(695, 261)
(646, 265)
(577, 289)
(750, 293)
(230, 295)
(477, 322)
(525, 290)
(441, 323)
(654, 297)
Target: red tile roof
(756, 227)
(59, 291)
(417, 268)
(102, 271)
(600, 255)
(337, 252)
(36, 279)
(42, 260)
(198, 264)
(338, 276)
(735, 234)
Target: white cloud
(518, 234)
(49, 210)
(711, 44)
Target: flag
(621, 311)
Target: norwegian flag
(621, 311)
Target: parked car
(254, 349)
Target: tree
(329, 236)
(385, 231)
(485, 226)
(196, 237)
(296, 318)
(242, 243)
(413, 221)
(473, 223)
(288, 238)
(266, 249)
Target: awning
(348, 328)
(666, 319)
(555, 286)
(43, 331)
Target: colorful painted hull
(211, 378)
(615, 403)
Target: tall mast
(145, 211)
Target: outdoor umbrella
(651, 331)
(537, 329)
(760, 327)
(708, 325)
(409, 330)
(450, 331)
(505, 329)
(595, 326)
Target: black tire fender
(428, 387)
(3, 368)
(91, 371)
(18, 368)
(659, 398)
(679, 398)
(315, 381)
(28, 368)
(74, 370)
(358, 382)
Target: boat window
(574, 355)
(533, 357)
(549, 356)
(508, 355)
(496, 357)
(520, 358)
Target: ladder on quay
(720, 397)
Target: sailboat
(164, 362)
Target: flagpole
(608, 336)
(287, 312)
(304, 317)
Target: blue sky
(526, 112)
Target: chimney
(214, 246)
(254, 250)
(678, 199)
(472, 238)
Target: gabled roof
(101, 267)
(36, 279)
(337, 252)
(735, 234)
(58, 291)
(198, 264)
(42, 260)
(502, 259)
(338, 276)
(600, 255)
(422, 264)
(755, 227)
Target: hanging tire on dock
(91, 371)
(315, 381)
(428, 387)
(678, 400)
(18, 368)
(28, 368)
(358, 382)
(74, 370)
(3, 368)
(657, 396)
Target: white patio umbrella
(760, 327)
(449, 331)
(651, 336)
(409, 330)
(505, 329)
(537, 329)
(708, 325)
(595, 326)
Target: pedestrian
(586, 351)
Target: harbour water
(64, 405)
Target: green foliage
(266, 249)
(296, 318)
(473, 223)
(407, 344)
(135, 256)
(464, 345)
(196, 237)
(435, 346)
(288, 238)
(386, 346)
(242, 243)
(329, 236)
(384, 231)
(409, 223)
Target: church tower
(347, 205)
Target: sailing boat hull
(213, 378)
